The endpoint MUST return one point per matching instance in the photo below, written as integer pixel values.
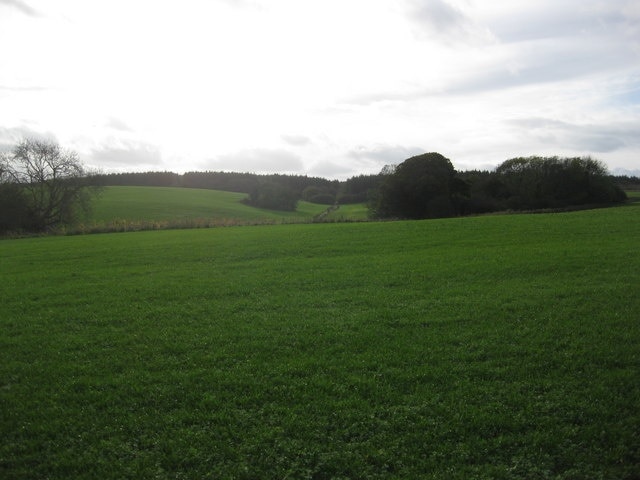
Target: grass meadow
(349, 213)
(499, 347)
(144, 208)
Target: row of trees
(311, 189)
(428, 186)
(43, 186)
(424, 186)
(273, 191)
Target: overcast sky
(332, 88)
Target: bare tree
(52, 182)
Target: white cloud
(597, 138)
(21, 6)
(126, 156)
(520, 21)
(318, 81)
(296, 140)
(446, 22)
(329, 169)
(117, 124)
(385, 154)
(11, 136)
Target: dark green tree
(273, 196)
(360, 188)
(552, 182)
(423, 186)
(319, 194)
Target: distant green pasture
(175, 204)
(349, 212)
(634, 195)
(495, 347)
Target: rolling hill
(172, 206)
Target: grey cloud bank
(20, 6)
(385, 154)
(595, 138)
(296, 140)
(257, 161)
(127, 155)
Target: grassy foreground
(488, 347)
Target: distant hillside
(168, 206)
(312, 189)
(226, 181)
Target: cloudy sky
(331, 88)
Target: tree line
(424, 186)
(301, 187)
(274, 191)
(428, 186)
(43, 186)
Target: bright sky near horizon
(332, 88)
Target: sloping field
(349, 212)
(487, 347)
(168, 204)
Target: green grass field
(349, 212)
(166, 206)
(490, 347)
